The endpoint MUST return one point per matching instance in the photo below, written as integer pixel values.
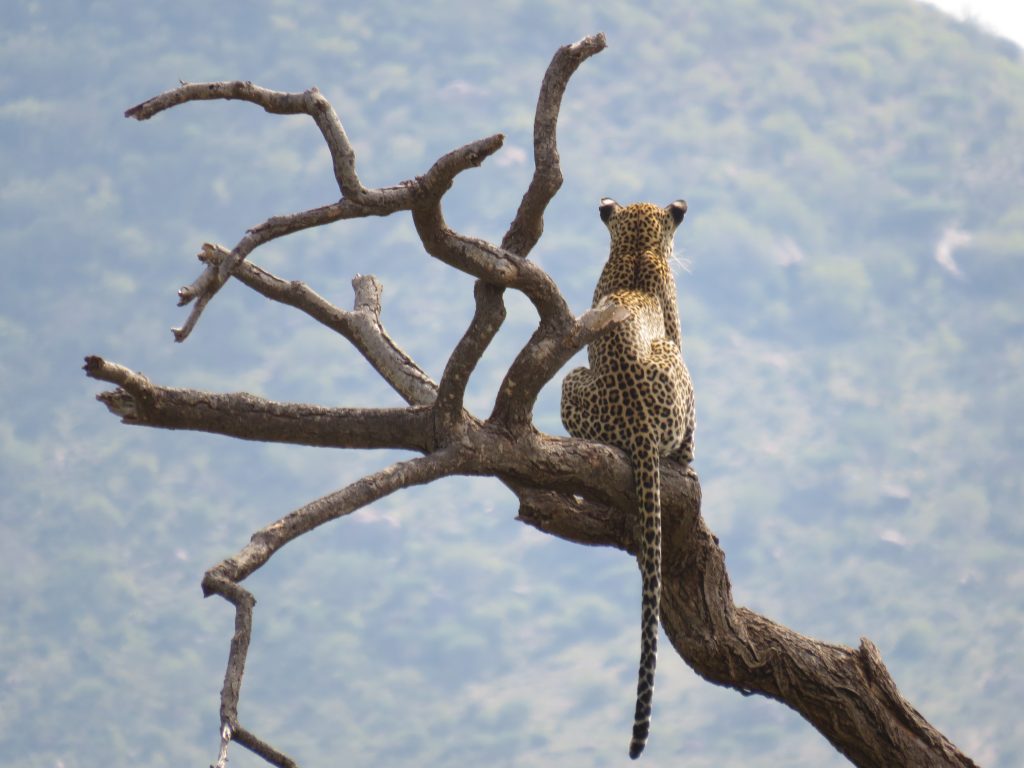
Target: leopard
(637, 395)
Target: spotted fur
(636, 394)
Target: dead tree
(578, 491)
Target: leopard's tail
(647, 480)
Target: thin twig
(259, 747)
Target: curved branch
(375, 202)
(544, 353)
(549, 348)
(259, 747)
(487, 319)
(405, 474)
(522, 235)
(138, 401)
(488, 262)
(223, 579)
(310, 102)
(528, 224)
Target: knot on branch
(368, 290)
(120, 403)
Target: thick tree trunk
(846, 694)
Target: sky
(1003, 17)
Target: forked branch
(361, 326)
(376, 202)
(356, 200)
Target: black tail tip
(641, 730)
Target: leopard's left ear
(607, 208)
(678, 211)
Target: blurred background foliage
(850, 280)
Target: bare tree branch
(528, 373)
(405, 474)
(487, 320)
(550, 347)
(310, 102)
(356, 200)
(223, 579)
(377, 202)
(528, 224)
(138, 401)
(261, 748)
(488, 262)
(361, 326)
(526, 227)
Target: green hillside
(852, 267)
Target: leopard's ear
(678, 211)
(607, 208)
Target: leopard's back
(637, 394)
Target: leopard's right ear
(607, 208)
(678, 210)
